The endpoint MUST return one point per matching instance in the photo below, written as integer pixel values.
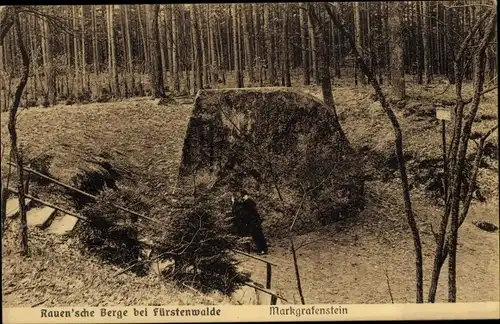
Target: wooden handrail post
(268, 276)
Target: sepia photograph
(295, 154)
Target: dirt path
(348, 262)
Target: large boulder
(281, 145)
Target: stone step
(40, 217)
(12, 209)
(157, 267)
(62, 224)
(246, 295)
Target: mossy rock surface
(273, 142)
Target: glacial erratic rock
(281, 145)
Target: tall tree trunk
(168, 39)
(304, 44)
(287, 49)
(271, 72)
(314, 51)
(214, 60)
(82, 31)
(194, 50)
(50, 80)
(156, 67)
(426, 43)
(69, 85)
(419, 40)
(236, 47)
(198, 47)
(229, 55)
(124, 55)
(247, 44)
(201, 31)
(259, 54)
(113, 73)
(175, 56)
(75, 51)
(222, 58)
(397, 53)
(145, 40)
(359, 40)
(95, 49)
(17, 156)
(162, 31)
(319, 29)
(130, 66)
(95, 52)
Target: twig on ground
(304, 244)
(29, 288)
(389, 287)
(39, 303)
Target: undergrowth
(111, 234)
(200, 243)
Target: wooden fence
(269, 265)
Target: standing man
(248, 220)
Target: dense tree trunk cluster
(128, 50)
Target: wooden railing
(269, 264)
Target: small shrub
(200, 245)
(41, 164)
(111, 234)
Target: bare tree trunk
(163, 45)
(198, 44)
(322, 47)
(130, 66)
(50, 80)
(18, 158)
(201, 30)
(420, 50)
(69, 85)
(95, 48)
(287, 50)
(399, 151)
(124, 67)
(455, 165)
(214, 61)
(397, 53)
(304, 44)
(168, 40)
(145, 40)
(82, 21)
(156, 71)
(236, 47)
(479, 64)
(77, 86)
(247, 44)
(426, 43)
(359, 40)
(7, 14)
(194, 53)
(314, 51)
(175, 56)
(269, 50)
(112, 52)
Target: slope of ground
(345, 262)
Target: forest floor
(352, 261)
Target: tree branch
(398, 145)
